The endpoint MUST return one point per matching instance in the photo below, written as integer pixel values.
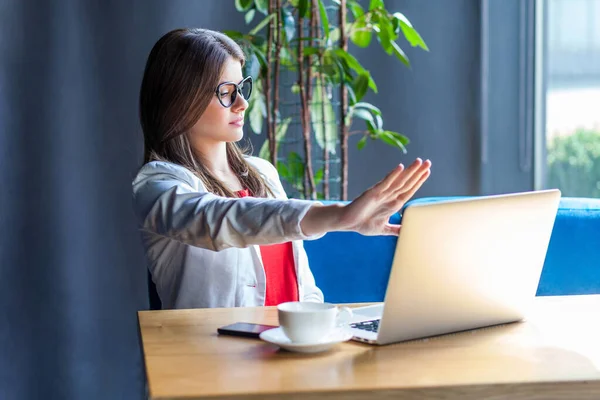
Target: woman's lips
(237, 122)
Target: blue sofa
(349, 267)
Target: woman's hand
(370, 212)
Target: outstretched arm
(370, 212)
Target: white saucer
(277, 337)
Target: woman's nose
(240, 103)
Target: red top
(280, 270)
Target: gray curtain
(72, 271)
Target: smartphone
(244, 329)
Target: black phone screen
(244, 329)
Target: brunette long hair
(182, 72)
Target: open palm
(369, 213)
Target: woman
(217, 226)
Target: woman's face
(218, 123)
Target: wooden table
(554, 354)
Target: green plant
(297, 37)
(574, 163)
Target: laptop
(462, 264)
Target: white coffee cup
(306, 322)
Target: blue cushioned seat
(349, 267)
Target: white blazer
(202, 249)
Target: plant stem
(325, 139)
(276, 82)
(267, 87)
(343, 106)
(326, 193)
(309, 75)
(309, 191)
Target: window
(570, 95)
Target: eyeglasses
(227, 91)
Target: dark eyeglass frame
(238, 89)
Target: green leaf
(331, 68)
(249, 16)
(252, 65)
(283, 170)
(307, 51)
(264, 150)
(376, 4)
(362, 114)
(355, 9)
(256, 119)
(289, 25)
(372, 84)
(360, 34)
(257, 40)
(400, 137)
(368, 106)
(336, 70)
(258, 52)
(350, 59)
(324, 19)
(243, 5)
(360, 85)
(287, 58)
(261, 24)
(334, 35)
(361, 143)
(378, 122)
(355, 65)
(304, 8)
(294, 157)
(319, 176)
(235, 35)
(257, 110)
(295, 88)
(351, 95)
(281, 130)
(323, 119)
(399, 53)
(296, 168)
(409, 32)
(257, 113)
(386, 33)
(393, 139)
(262, 6)
(371, 128)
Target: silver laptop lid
(467, 263)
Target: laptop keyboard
(371, 326)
